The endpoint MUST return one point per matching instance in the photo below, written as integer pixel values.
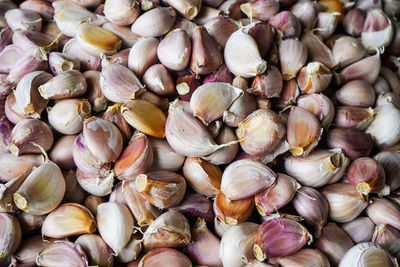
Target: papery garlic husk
(261, 132)
(67, 115)
(354, 117)
(327, 23)
(96, 250)
(136, 158)
(312, 206)
(280, 237)
(70, 83)
(59, 62)
(287, 23)
(4, 7)
(163, 189)
(68, 220)
(333, 242)
(306, 12)
(390, 162)
(303, 131)
(292, 56)
(236, 243)
(73, 191)
(357, 93)
(142, 55)
(96, 40)
(115, 224)
(158, 80)
(367, 254)
(29, 223)
(132, 250)
(232, 212)
(121, 12)
(204, 249)
(235, 185)
(30, 196)
(303, 258)
(360, 229)
(14, 166)
(209, 102)
(154, 22)
(187, 8)
(267, 85)
(365, 69)
(93, 92)
(10, 235)
(91, 202)
(64, 252)
(23, 19)
(387, 237)
(354, 143)
(164, 157)
(27, 252)
(113, 114)
(377, 30)
(314, 78)
(260, 9)
(383, 211)
(385, 136)
(320, 105)
(166, 257)
(187, 135)
(29, 133)
(87, 61)
(345, 202)
(171, 229)
(276, 196)
(95, 183)
(353, 22)
(145, 117)
(347, 50)
(221, 28)
(242, 55)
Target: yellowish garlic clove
(357, 93)
(60, 62)
(267, 85)
(174, 50)
(73, 191)
(367, 253)
(184, 24)
(115, 224)
(303, 258)
(377, 30)
(347, 50)
(365, 69)
(62, 251)
(113, 115)
(292, 56)
(167, 257)
(260, 9)
(154, 22)
(164, 157)
(95, 183)
(142, 55)
(10, 235)
(320, 105)
(354, 117)
(158, 80)
(171, 229)
(121, 12)
(360, 229)
(87, 61)
(67, 84)
(23, 19)
(314, 78)
(263, 34)
(15, 166)
(232, 212)
(96, 250)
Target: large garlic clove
(154, 22)
(390, 162)
(70, 83)
(64, 252)
(306, 12)
(367, 253)
(364, 69)
(166, 257)
(360, 229)
(4, 8)
(383, 211)
(353, 22)
(10, 235)
(164, 157)
(347, 50)
(196, 206)
(292, 56)
(319, 105)
(174, 50)
(96, 250)
(377, 30)
(303, 258)
(354, 117)
(232, 212)
(170, 230)
(142, 55)
(158, 80)
(121, 12)
(357, 93)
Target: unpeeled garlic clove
(287, 23)
(390, 162)
(353, 22)
(70, 83)
(14, 166)
(113, 114)
(384, 211)
(145, 117)
(121, 12)
(232, 212)
(345, 202)
(29, 133)
(45, 10)
(280, 237)
(232, 8)
(260, 9)
(303, 131)
(267, 85)
(360, 229)
(354, 117)
(158, 80)
(12, 111)
(187, 8)
(290, 93)
(167, 257)
(9, 57)
(163, 189)
(347, 50)
(30, 223)
(131, 250)
(73, 191)
(23, 19)
(31, 40)
(59, 62)
(186, 85)
(333, 242)
(127, 37)
(28, 251)
(357, 93)
(171, 229)
(221, 75)
(154, 22)
(377, 30)
(115, 224)
(164, 157)
(317, 50)
(302, 258)
(292, 56)
(87, 61)
(387, 237)
(93, 92)
(5, 133)
(136, 158)
(96, 250)
(142, 55)
(365, 69)
(7, 190)
(320, 105)
(98, 184)
(276, 196)
(10, 235)
(314, 78)
(306, 12)
(91, 202)
(327, 23)
(62, 251)
(196, 206)
(367, 253)
(221, 28)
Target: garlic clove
(14, 166)
(4, 7)
(142, 55)
(62, 251)
(360, 229)
(327, 23)
(377, 30)
(267, 85)
(96, 250)
(73, 191)
(206, 14)
(158, 80)
(319, 105)
(292, 56)
(121, 12)
(154, 22)
(221, 75)
(356, 93)
(388, 238)
(354, 117)
(167, 257)
(347, 50)
(306, 12)
(314, 78)
(128, 38)
(23, 19)
(113, 114)
(27, 252)
(390, 162)
(383, 211)
(232, 8)
(221, 28)
(260, 9)
(94, 93)
(91, 202)
(196, 206)
(317, 50)
(10, 235)
(70, 83)
(87, 61)
(303, 258)
(95, 183)
(9, 57)
(364, 69)
(158, 101)
(60, 62)
(287, 23)
(7, 190)
(232, 212)
(164, 157)
(290, 93)
(186, 85)
(187, 8)
(367, 253)
(5, 133)
(353, 22)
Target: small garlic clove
(292, 56)
(28, 251)
(384, 211)
(158, 80)
(360, 229)
(132, 250)
(164, 157)
(167, 257)
(121, 12)
(87, 61)
(232, 212)
(317, 50)
(347, 50)
(314, 78)
(15, 166)
(136, 158)
(171, 230)
(287, 23)
(62, 251)
(377, 30)
(10, 235)
(60, 62)
(115, 224)
(113, 115)
(163, 189)
(70, 83)
(91, 202)
(390, 162)
(260, 9)
(221, 28)
(367, 253)
(306, 12)
(354, 117)
(267, 85)
(23, 19)
(364, 69)
(345, 202)
(320, 105)
(327, 23)
(145, 117)
(234, 183)
(95, 183)
(93, 93)
(187, 8)
(154, 22)
(96, 250)
(73, 191)
(196, 206)
(357, 93)
(302, 258)
(353, 22)
(142, 55)
(280, 237)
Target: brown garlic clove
(260, 9)
(232, 212)
(96, 250)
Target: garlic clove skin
(91, 202)
(158, 80)
(4, 8)
(347, 50)
(6, 193)
(70, 83)
(142, 55)
(121, 12)
(290, 93)
(68, 220)
(206, 14)
(357, 93)
(232, 212)
(196, 206)
(364, 69)
(320, 105)
(360, 229)
(391, 78)
(95, 183)
(9, 56)
(263, 34)
(303, 258)
(327, 23)
(128, 38)
(292, 56)
(383, 211)
(62, 251)
(96, 250)
(154, 22)
(167, 257)
(10, 235)
(164, 157)
(377, 30)
(12, 111)
(354, 117)
(367, 253)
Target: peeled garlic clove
(383, 211)
(67, 84)
(23, 19)
(280, 237)
(158, 80)
(360, 229)
(354, 143)
(333, 242)
(121, 12)
(113, 114)
(154, 22)
(95, 183)
(327, 23)
(232, 212)
(221, 28)
(354, 117)
(367, 253)
(164, 189)
(287, 23)
(267, 85)
(353, 22)
(136, 158)
(377, 30)
(27, 133)
(292, 56)
(10, 235)
(60, 62)
(96, 250)
(167, 257)
(234, 183)
(260, 9)
(365, 69)
(312, 206)
(94, 93)
(356, 93)
(345, 202)
(303, 131)
(302, 258)
(145, 117)
(142, 55)
(87, 61)
(171, 229)
(196, 206)
(242, 55)
(306, 12)
(164, 157)
(276, 196)
(320, 105)
(314, 78)
(387, 237)
(347, 50)
(62, 251)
